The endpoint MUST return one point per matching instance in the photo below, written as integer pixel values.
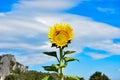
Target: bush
(98, 76)
(11, 77)
(71, 78)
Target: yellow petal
(60, 34)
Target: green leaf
(63, 66)
(54, 54)
(69, 59)
(48, 78)
(50, 68)
(53, 67)
(69, 52)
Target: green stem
(61, 68)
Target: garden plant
(60, 35)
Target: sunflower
(60, 34)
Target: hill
(9, 65)
(10, 69)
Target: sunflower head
(60, 35)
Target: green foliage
(30, 75)
(69, 59)
(11, 77)
(69, 52)
(53, 67)
(104, 77)
(48, 78)
(56, 67)
(17, 71)
(72, 78)
(54, 54)
(81, 78)
(98, 76)
(0, 57)
(62, 62)
(34, 75)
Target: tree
(98, 76)
(104, 77)
(81, 78)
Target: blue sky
(24, 25)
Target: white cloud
(47, 46)
(27, 30)
(47, 5)
(97, 55)
(2, 14)
(33, 59)
(107, 45)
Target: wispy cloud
(27, 30)
(107, 45)
(119, 69)
(109, 10)
(2, 14)
(34, 59)
(97, 55)
(47, 5)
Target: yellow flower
(60, 34)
